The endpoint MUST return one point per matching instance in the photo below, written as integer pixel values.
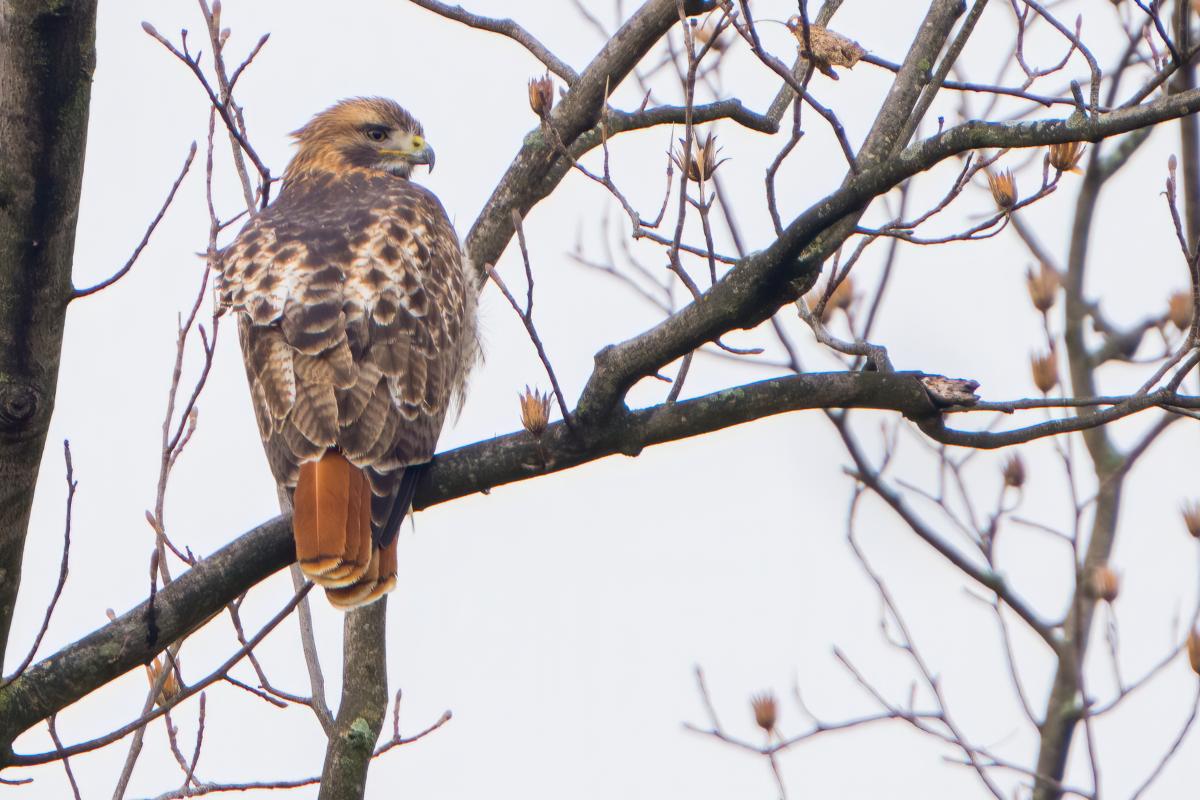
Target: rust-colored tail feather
(378, 579)
(332, 520)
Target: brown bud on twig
(764, 710)
(1004, 188)
(701, 161)
(1179, 309)
(827, 49)
(1193, 650)
(1065, 157)
(1014, 471)
(1042, 286)
(1191, 517)
(1104, 584)
(1045, 371)
(541, 95)
(535, 411)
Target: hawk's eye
(376, 134)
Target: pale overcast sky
(561, 619)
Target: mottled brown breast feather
(357, 321)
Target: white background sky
(561, 619)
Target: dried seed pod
(1191, 517)
(535, 411)
(1004, 188)
(170, 688)
(1065, 157)
(765, 710)
(1045, 370)
(541, 95)
(705, 33)
(1179, 309)
(843, 297)
(1014, 471)
(1104, 584)
(1043, 287)
(1193, 650)
(700, 161)
(813, 299)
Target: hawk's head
(371, 133)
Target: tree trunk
(47, 55)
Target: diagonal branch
(529, 177)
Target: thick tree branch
(190, 600)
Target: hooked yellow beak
(420, 153)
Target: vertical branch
(308, 644)
(1063, 710)
(1189, 126)
(233, 112)
(363, 704)
(526, 316)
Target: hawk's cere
(358, 329)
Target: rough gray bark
(47, 55)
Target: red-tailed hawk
(357, 320)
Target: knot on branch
(20, 403)
(946, 392)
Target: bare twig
(72, 484)
(137, 251)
